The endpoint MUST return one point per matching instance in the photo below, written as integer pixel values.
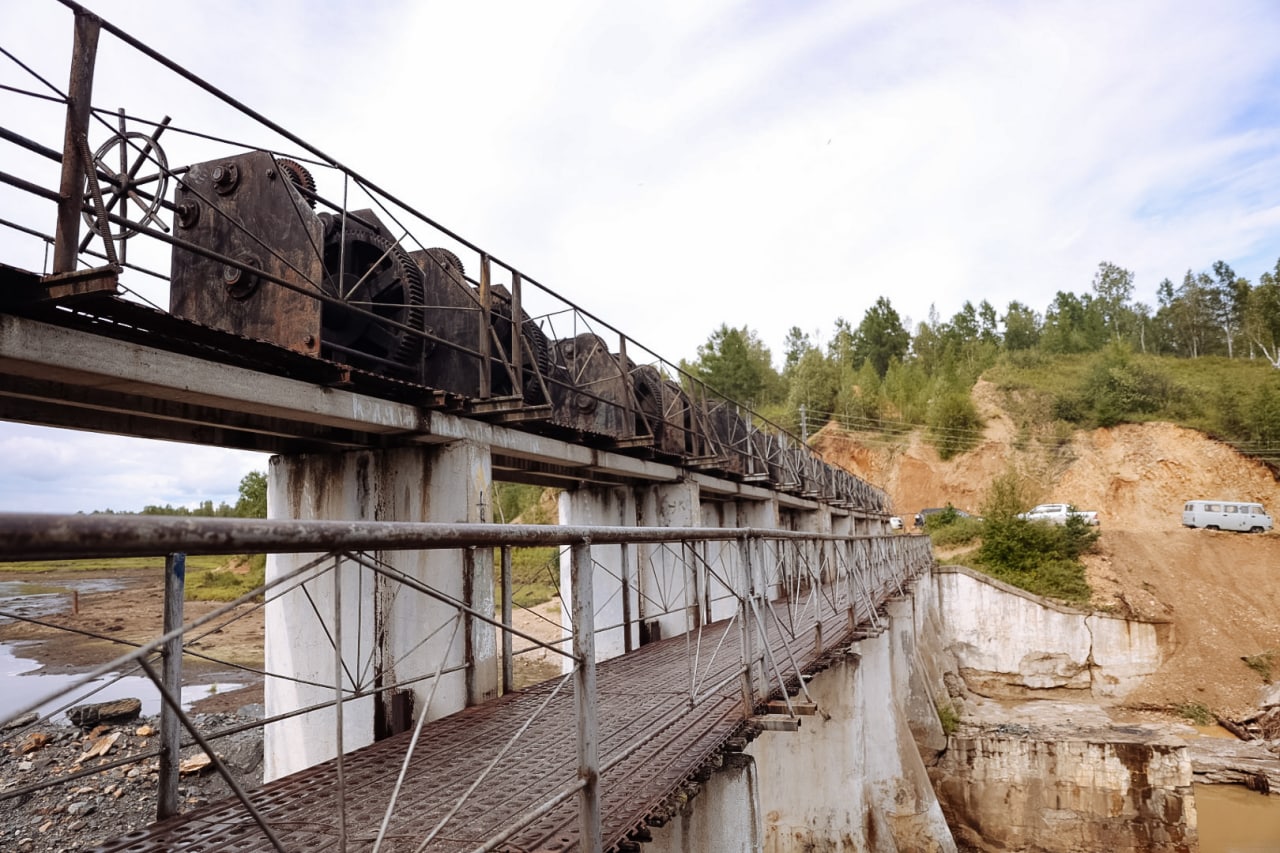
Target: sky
(671, 166)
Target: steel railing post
(175, 576)
(584, 697)
(84, 52)
(744, 616)
(508, 666)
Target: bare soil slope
(1220, 591)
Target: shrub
(1119, 387)
(1197, 713)
(1040, 558)
(1261, 663)
(954, 424)
(948, 528)
(229, 583)
(948, 717)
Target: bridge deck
(643, 698)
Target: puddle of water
(1215, 731)
(1233, 819)
(21, 682)
(36, 599)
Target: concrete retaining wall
(1069, 795)
(852, 778)
(1009, 643)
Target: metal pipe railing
(759, 564)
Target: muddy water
(1233, 819)
(35, 599)
(22, 681)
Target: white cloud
(670, 166)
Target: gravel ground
(84, 812)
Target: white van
(1226, 515)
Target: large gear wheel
(448, 260)
(301, 178)
(379, 277)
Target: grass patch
(227, 582)
(535, 575)
(1235, 399)
(1060, 579)
(1261, 663)
(1197, 713)
(100, 564)
(948, 717)
(953, 534)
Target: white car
(895, 522)
(1058, 514)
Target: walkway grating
(644, 706)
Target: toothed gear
(379, 277)
(301, 178)
(447, 259)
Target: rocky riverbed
(95, 792)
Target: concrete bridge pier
(642, 592)
(852, 778)
(391, 634)
(615, 571)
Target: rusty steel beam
(84, 53)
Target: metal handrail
(39, 536)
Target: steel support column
(84, 54)
(584, 697)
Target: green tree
(796, 345)
(840, 350)
(1186, 313)
(253, 496)
(1021, 327)
(988, 324)
(860, 400)
(736, 365)
(954, 423)
(814, 382)
(1262, 316)
(880, 337)
(1228, 301)
(1072, 324)
(1113, 287)
(928, 345)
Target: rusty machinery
(344, 288)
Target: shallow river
(22, 680)
(1233, 819)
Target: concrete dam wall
(873, 770)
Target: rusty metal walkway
(585, 761)
(654, 742)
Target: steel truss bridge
(587, 761)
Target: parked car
(1245, 516)
(895, 522)
(1058, 514)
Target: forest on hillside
(1206, 356)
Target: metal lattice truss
(264, 249)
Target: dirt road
(1220, 591)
